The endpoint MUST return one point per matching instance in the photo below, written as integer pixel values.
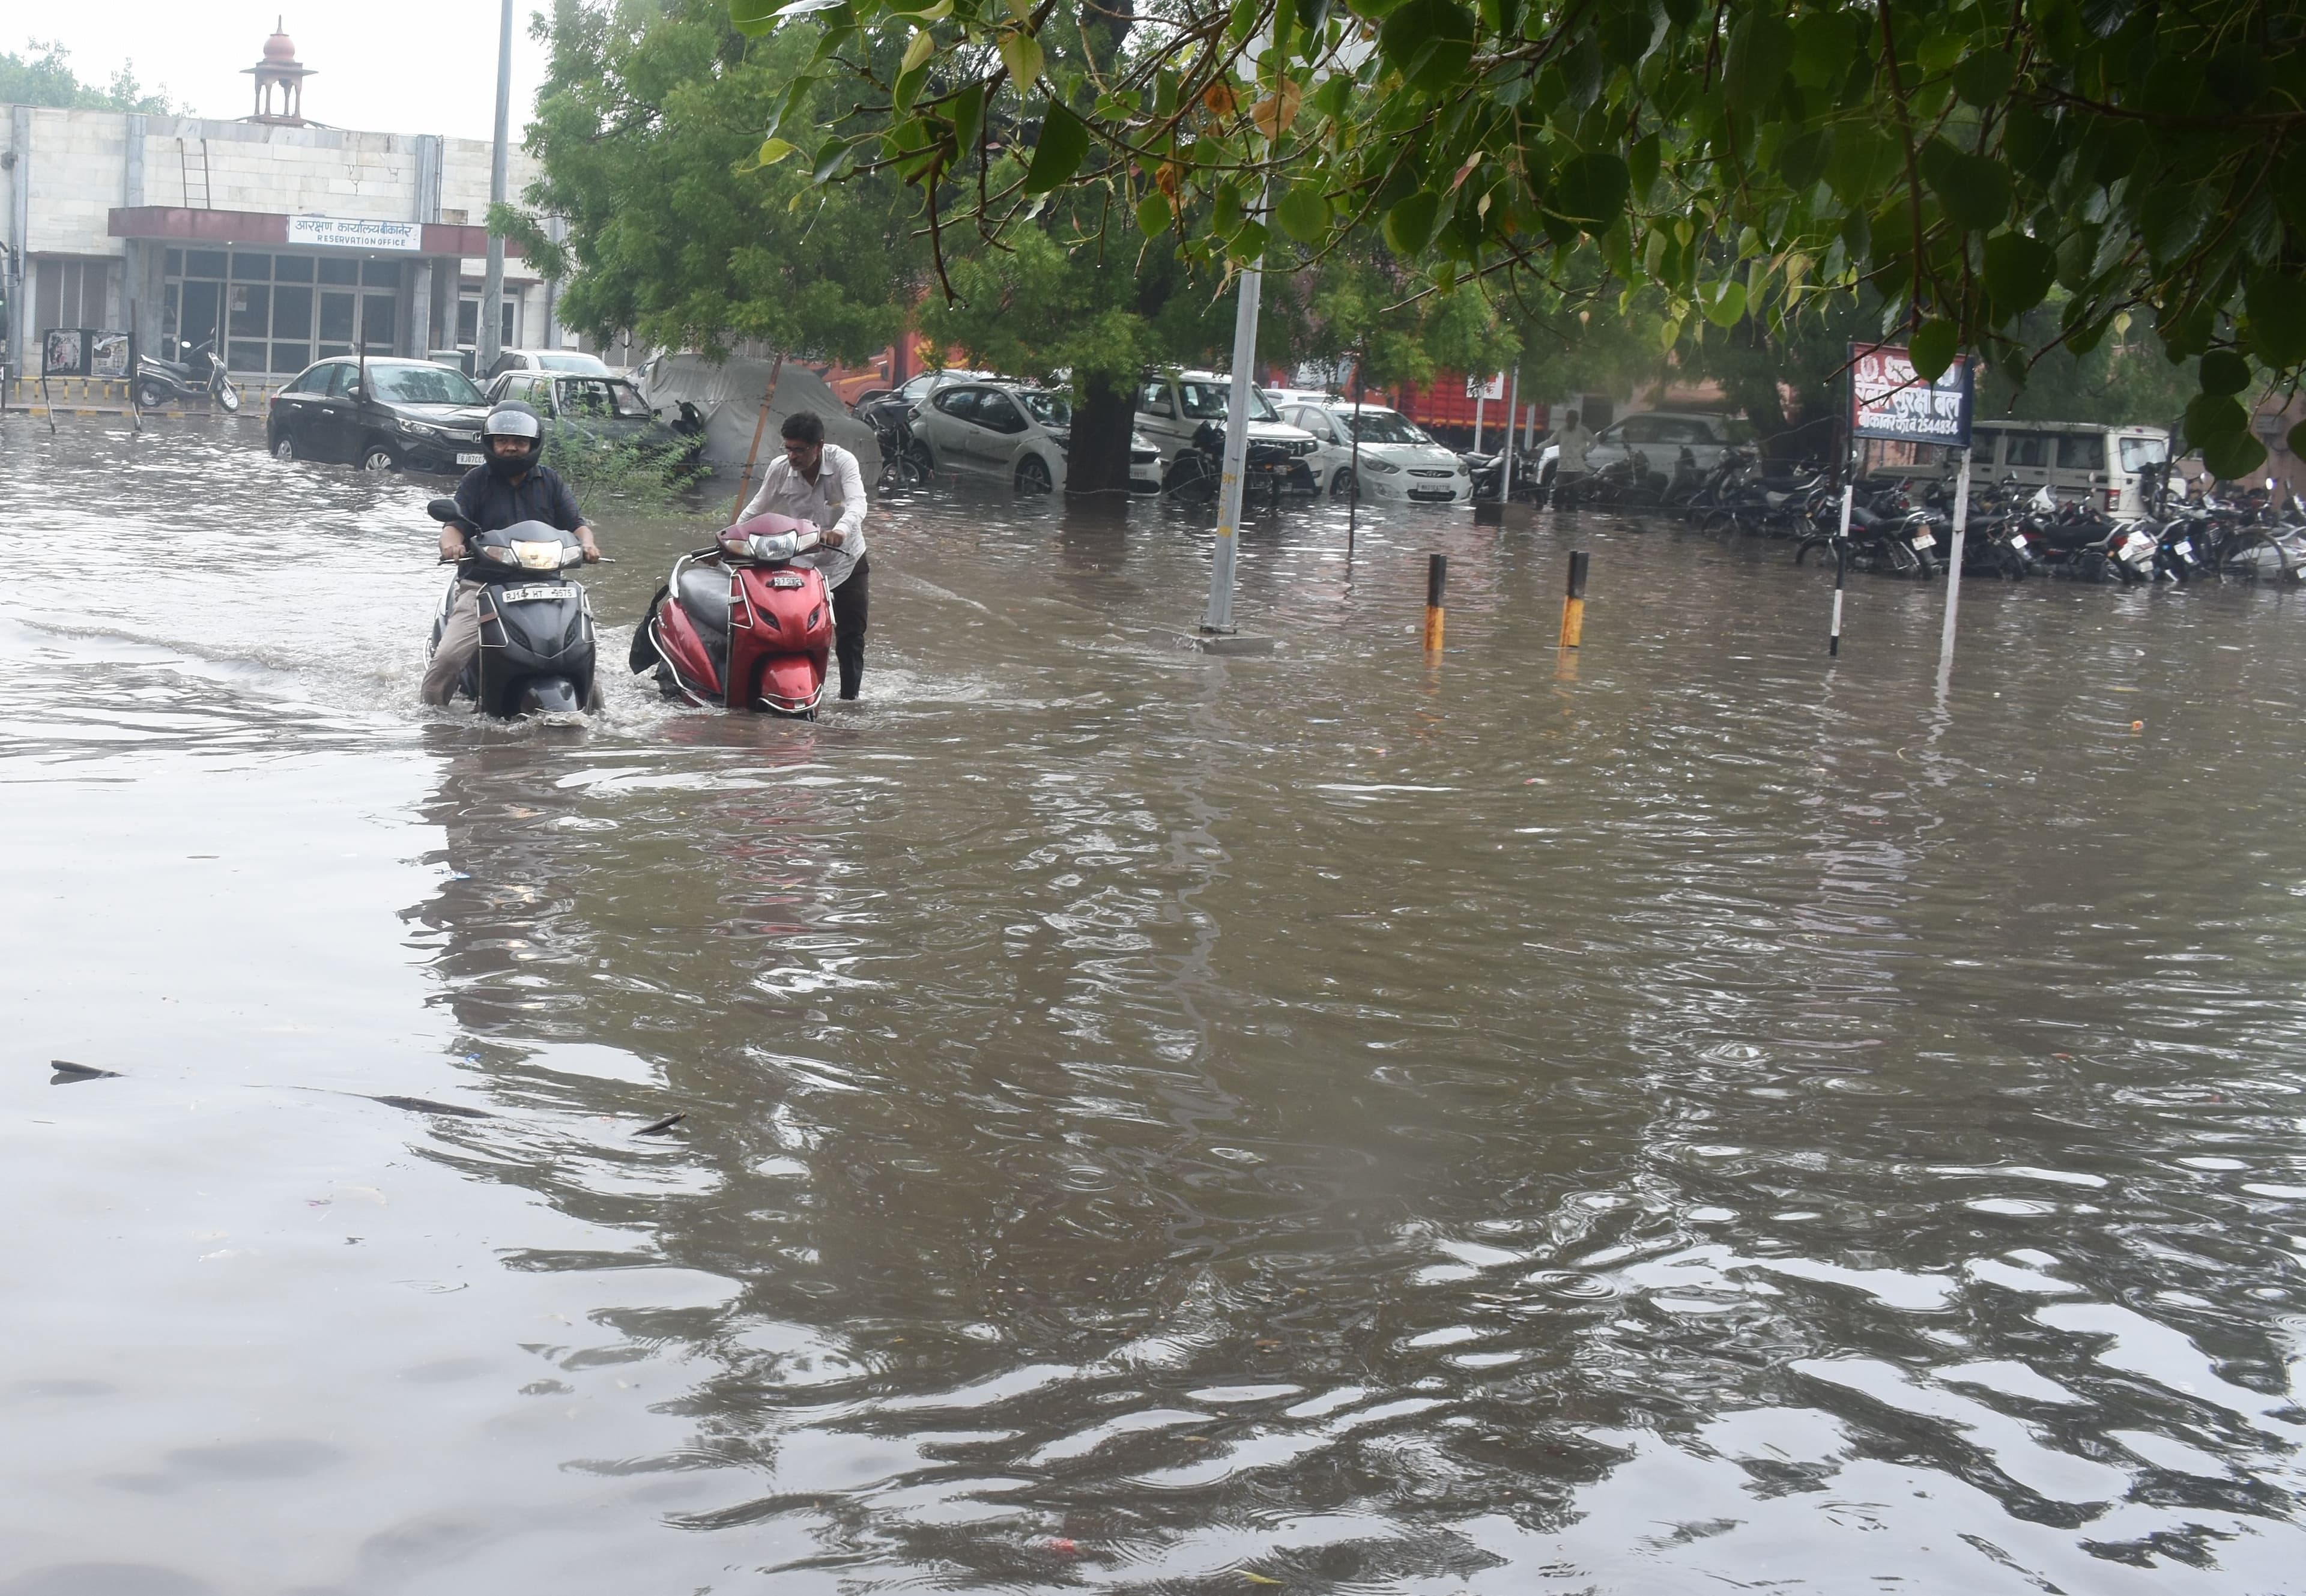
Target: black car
(396, 415)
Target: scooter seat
(704, 598)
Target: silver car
(1399, 461)
(1009, 431)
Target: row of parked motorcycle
(1900, 528)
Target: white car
(1662, 435)
(1009, 431)
(1172, 408)
(1400, 462)
(1144, 465)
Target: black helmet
(512, 420)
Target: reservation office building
(283, 240)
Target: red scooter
(739, 626)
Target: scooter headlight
(538, 556)
(770, 550)
(500, 554)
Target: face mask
(507, 468)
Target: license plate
(2018, 542)
(1923, 540)
(522, 595)
(2185, 547)
(468, 459)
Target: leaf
(1153, 214)
(1312, 16)
(1275, 112)
(1430, 41)
(1726, 306)
(923, 14)
(1802, 159)
(2019, 271)
(754, 18)
(1974, 191)
(2278, 319)
(922, 48)
(1985, 77)
(1590, 188)
(2233, 455)
(1304, 213)
(1642, 162)
(1761, 49)
(2223, 371)
(1409, 224)
(1932, 349)
(1822, 48)
(1021, 54)
(829, 157)
(2216, 416)
(967, 109)
(2296, 443)
(1064, 146)
(773, 151)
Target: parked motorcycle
(536, 647)
(200, 375)
(1887, 533)
(739, 626)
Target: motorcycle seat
(705, 596)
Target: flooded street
(1680, 1116)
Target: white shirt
(1574, 442)
(834, 502)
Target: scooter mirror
(443, 509)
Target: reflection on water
(1687, 1115)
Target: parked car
(600, 411)
(549, 360)
(1400, 462)
(1173, 408)
(1008, 432)
(397, 416)
(1662, 435)
(2105, 468)
(911, 394)
(1144, 465)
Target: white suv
(1172, 408)
(1400, 462)
(1662, 435)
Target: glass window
(2033, 449)
(2139, 453)
(995, 412)
(2081, 451)
(292, 269)
(586, 396)
(204, 263)
(960, 403)
(1634, 429)
(630, 404)
(415, 384)
(1386, 426)
(379, 313)
(250, 269)
(1209, 401)
(244, 357)
(340, 378)
(1155, 399)
(290, 357)
(380, 274)
(314, 380)
(590, 363)
(334, 270)
(292, 312)
(1051, 410)
(337, 317)
(175, 265)
(251, 314)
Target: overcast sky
(414, 66)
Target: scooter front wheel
(229, 397)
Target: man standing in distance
(1569, 466)
(819, 483)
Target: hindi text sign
(355, 232)
(1889, 399)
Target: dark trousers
(849, 602)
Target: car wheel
(376, 457)
(1342, 487)
(1032, 475)
(284, 449)
(923, 461)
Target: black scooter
(536, 626)
(200, 375)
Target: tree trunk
(1096, 461)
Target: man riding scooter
(511, 487)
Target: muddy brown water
(1681, 1117)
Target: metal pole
(1513, 404)
(487, 341)
(1353, 472)
(1220, 618)
(1481, 398)
(1954, 568)
(1840, 569)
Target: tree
(1956, 159)
(647, 127)
(43, 76)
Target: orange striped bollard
(1437, 573)
(1573, 606)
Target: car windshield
(590, 364)
(2139, 453)
(1051, 410)
(1383, 426)
(1209, 401)
(601, 399)
(422, 385)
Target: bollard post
(1840, 571)
(1573, 606)
(1437, 573)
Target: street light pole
(488, 337)
(1220, 618)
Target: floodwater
(1683, 1116)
